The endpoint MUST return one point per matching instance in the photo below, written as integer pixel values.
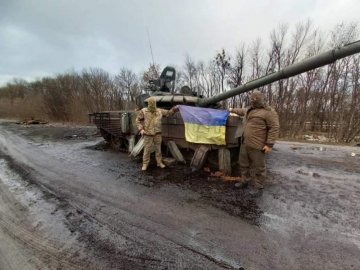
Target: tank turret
(163, 89)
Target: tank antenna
(152, 55)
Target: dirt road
(65, 205)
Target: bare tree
(190, 72)
(95, 89)
(222, 63)
(236, 72)
(152, 73)
(128, 86)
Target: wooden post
(175, 152)
(224, 161)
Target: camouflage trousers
(149, 141)
(252, 165)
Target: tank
(119, 128)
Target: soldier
(260, 131)
(148, 122)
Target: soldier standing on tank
(260, 131)
(148, 122)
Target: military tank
(119, 128)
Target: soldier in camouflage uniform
(260, 131)
(148, 122)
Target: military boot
(161, 165)
(243, 183)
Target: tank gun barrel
(292, 70)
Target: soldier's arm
(238, 111)
(170, 112)
(139, 119)
(272, 125)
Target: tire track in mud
(35, 242)
(10, 244)
(129, 225)
(10, 249)
(219, 263)
(91, 239)
(15, 222)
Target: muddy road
(68, 203)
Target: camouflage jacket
(260, 126)
(151, 122)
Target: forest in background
(325, 100)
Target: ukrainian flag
(204, 125)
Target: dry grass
(21, 108)
(25, 109)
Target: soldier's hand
(142, 132)
(267, 149)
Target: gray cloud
(45, 37)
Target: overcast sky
(45, 37)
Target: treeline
(325, 100)
(70, 96)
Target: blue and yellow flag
(204, 125)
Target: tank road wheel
(126, 144)
(234, 155)
(116, 143)
(213, 159)
(105, 135)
